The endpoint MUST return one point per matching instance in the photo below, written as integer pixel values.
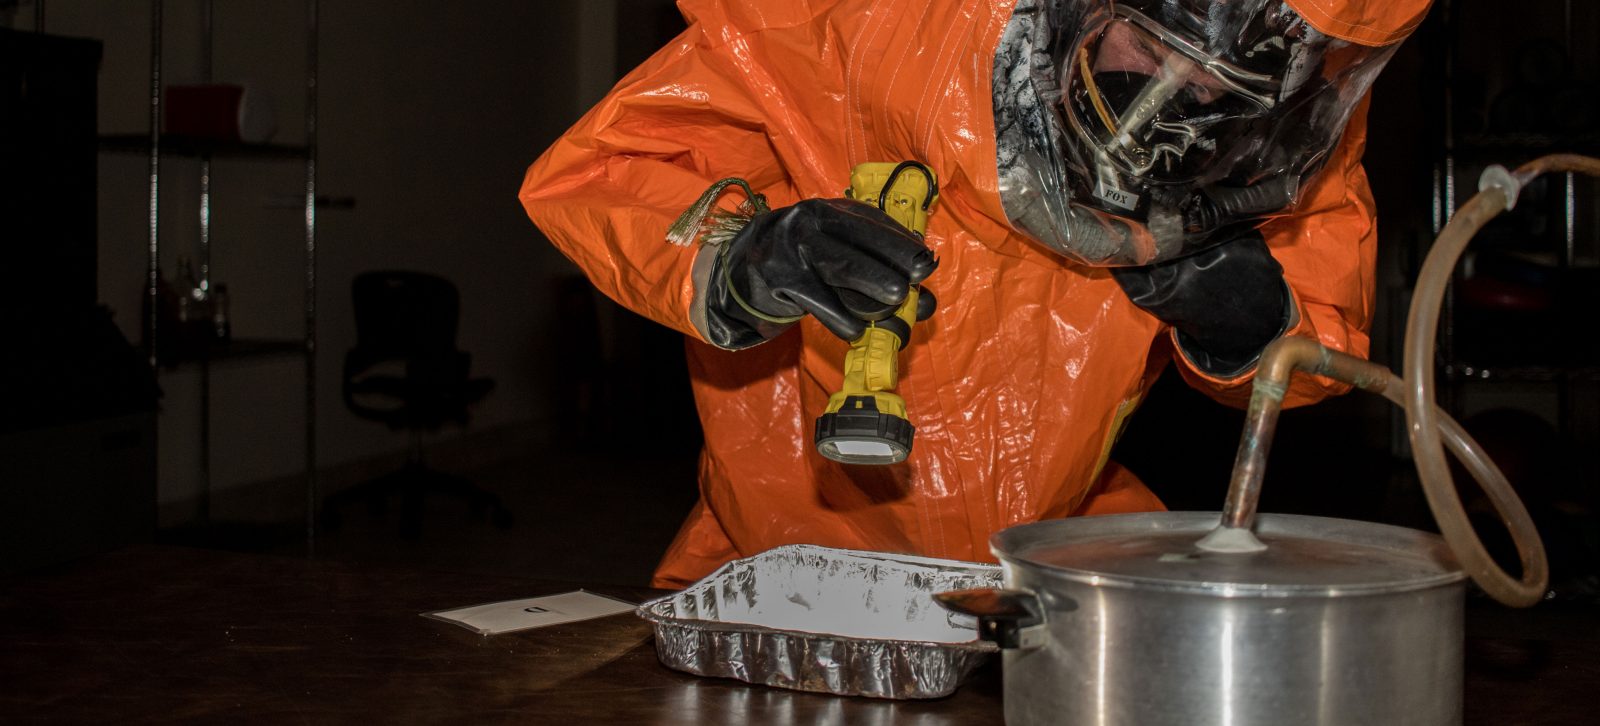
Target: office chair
(406, 372)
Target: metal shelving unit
(156, 146)
(189, 146)
(1468, 152)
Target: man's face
(1152, 103)
(1122, 49)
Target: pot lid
(1304, 555)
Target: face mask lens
(1149, 109)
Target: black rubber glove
(845, 262)
(1227, 302)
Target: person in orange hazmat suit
(1122, 184)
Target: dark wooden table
(153, 634)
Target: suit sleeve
(607, 190)
(1328, 249)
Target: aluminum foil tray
(827, 620)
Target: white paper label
(1116, 196)
(533, 612)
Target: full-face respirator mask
(1168, 126)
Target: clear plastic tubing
(1430, 429)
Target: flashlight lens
(872, 449)
(863, 451)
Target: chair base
(413, 484)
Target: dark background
(428, 115)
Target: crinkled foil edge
(841, 665)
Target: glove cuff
(723, 316)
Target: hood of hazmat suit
(1161, 127)
(1021, 381)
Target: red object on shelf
(1489, 293)
(219, 112)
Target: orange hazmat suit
(1020, 382)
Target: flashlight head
(859, 433)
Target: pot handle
(1007, 618)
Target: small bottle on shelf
(195, 324)
(188, 311)
(221, 326)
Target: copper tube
(1278, 363)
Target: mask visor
(1153, 106)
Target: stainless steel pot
(1123, 620)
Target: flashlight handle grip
(872, 363)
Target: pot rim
(1228, 590)
(1231, 590)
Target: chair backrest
(401, 313)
